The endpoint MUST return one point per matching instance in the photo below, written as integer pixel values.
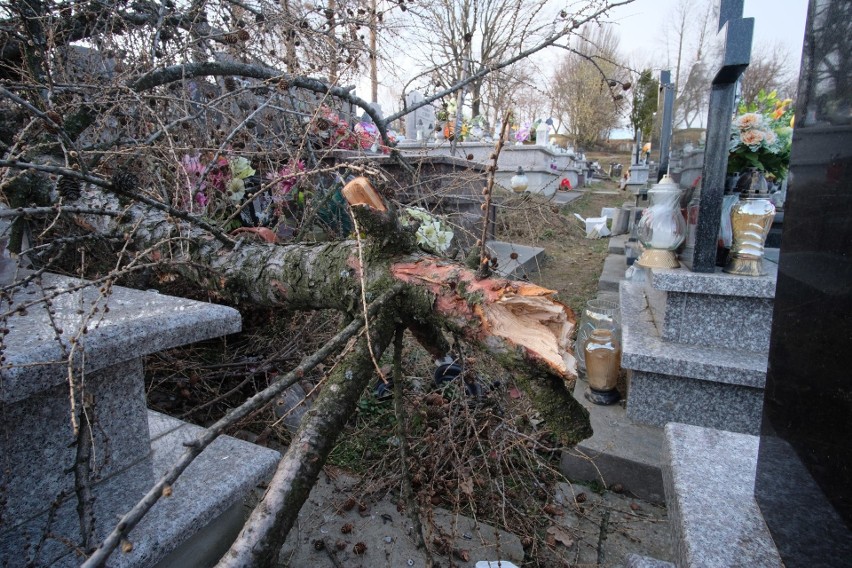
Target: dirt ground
(573, 263)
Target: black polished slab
(804, 471)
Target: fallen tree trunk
(517, 322)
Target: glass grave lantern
(662, 228)
(519, 181)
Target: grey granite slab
(659, 399)
(620, 451)
(643, 348)
(37, 448)
(709, 476)
(136, 323)
(636, 561)
(612, 273)
(219, 479)
(718, 282)
(737, 322)
(616, 244)
(528, 259)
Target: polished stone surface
(636, 561)
(804, 473)
(716, 282)
(136, 323)
(37, 441)
(704, 212)
(643, 348)
(733, 322)
(659, 399)
(709, 479)
(221, 477)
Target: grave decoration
(761, 137)
(662, 227)
(751, 219)
(519, 181)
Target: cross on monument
(704, 213)
(667, 89)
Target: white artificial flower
(240, 168)
(236, 189)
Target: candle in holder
(603, 364)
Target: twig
(132, 517)
(82, 475)
(411, 506)
(489, 190)
(361, 271)
(39, 211)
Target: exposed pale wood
(523, 314)
(360, 191)
(536, 322)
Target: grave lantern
(519, 181)
(662, 227)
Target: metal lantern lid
(752, 183)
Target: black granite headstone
(804, 470)
(705, 215)
(667, 89)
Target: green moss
(472, 298)
(563, 414)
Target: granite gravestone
(420, 122)
(804, 469)
(668, 90)
(705, 212)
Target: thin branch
(483, 257)
(132, 517)
(42, 211)
(106, 184)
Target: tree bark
(518, 323)
(270, 522)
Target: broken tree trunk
(518, 323)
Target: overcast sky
(641, 26)
(642, 23)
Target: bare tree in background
(587, 87)
(691, 46)
(462, 38)
(770, 70)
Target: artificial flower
(761, 136)
(240, 168)
(431, 235)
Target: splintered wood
(519, 313)
(531, 318)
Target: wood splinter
(360, 191)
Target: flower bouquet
(761, 137)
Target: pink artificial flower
(752, 137)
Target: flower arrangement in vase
(761, 136)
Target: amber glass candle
(603, 360)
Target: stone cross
(705, 211)
(667, 88)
